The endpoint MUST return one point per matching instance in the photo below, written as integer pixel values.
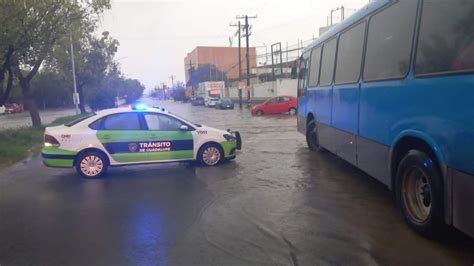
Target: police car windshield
(80, 119)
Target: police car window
(153, 121)
(162, 122)
(96, 125)
(125, 121)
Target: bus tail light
(50, 141)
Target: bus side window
(302, 78)
(349, 55)
(389, 41)
(314, 68)
(328, 62)
(446, 38)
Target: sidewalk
(24, 120)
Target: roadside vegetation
(36, 43)
(18, 144)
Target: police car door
(167, 139)
(120, 134)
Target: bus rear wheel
(419, 193)
(312, 136)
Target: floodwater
(277, 203)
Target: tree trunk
(29, 102)
(4, 96)
(81, 100)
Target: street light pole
(75, 96)
(266, 53)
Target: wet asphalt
(276, 204)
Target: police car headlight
(229, 137)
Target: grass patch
(17, 144)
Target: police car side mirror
(184, 128)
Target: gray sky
(155, 36)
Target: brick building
(225, 59)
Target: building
(224, 59)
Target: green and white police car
(138, 135)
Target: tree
(6, 53)
(33, 30)
(47, 83)
(94, 59)
(112, 87)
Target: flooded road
(276, 204)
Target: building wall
(224, 58)
(266, 90)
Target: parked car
(13, 108)
(197, 101)
(2, 110)
(276, 105)
(225, 103)
(211, 101)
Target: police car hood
(211, 129)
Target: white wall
(269, 89)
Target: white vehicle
(2, 109)
(211, 101)
(138, 135)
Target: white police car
(138, 135)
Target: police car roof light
(139, 106)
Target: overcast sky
(155, 36)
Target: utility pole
(247, 56)
(240, 61)
(75, 96)
(172, 81)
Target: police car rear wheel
(210, 154)
(91, 165)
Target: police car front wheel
(91, 165)
(210, 154)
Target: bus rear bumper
(462, 201)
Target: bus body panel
(364, 122)
(430, 106)
(345, 111)
(463, 216)
(302, 113)
(345, 117)
(323, 97)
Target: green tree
(114, 86)
(94, 59)
(34, 27)
(47, 83)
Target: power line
(239, 29)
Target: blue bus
(391, 91)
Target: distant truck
(210, 89)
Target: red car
(276, 105)
(12, 108)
